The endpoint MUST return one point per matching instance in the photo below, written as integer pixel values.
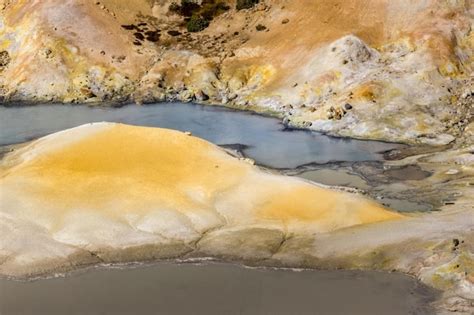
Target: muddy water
(217, 289)
(262, 138)
(342, 177)
(335, 178)
(410, 172)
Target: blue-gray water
(265, 139)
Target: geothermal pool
(263, 139)
(217, 289)
(211, 288)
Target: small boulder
(4, 59)
(186, 96)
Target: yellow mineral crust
(112, 185)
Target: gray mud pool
(217, 289)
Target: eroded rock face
(124, 193)
(400, 65)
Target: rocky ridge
(367, 69)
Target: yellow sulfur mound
(115, 186)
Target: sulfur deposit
(111, 193)
(391, 70)
(116, 190)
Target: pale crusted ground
(105, 193)
(81, 190)
(402, 66)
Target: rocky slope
(392, 70)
